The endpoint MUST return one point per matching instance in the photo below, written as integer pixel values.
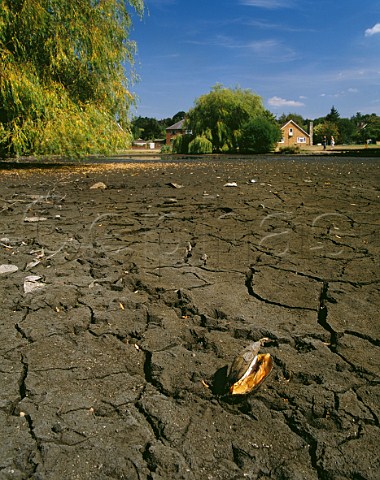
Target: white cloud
(271, 4)
(272, 50)
(264, 46)
(372, 31)
(276, 26)
(282, 102)
(267, 49)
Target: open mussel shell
(249, 369)
(248, 383)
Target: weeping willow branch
(63, 88)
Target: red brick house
(293, 134)
(174, 130)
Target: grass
(345, 149)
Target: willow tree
(63, 88)
(220, 115)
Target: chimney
(311, 132)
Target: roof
(296, 125)
(177, 126)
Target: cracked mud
(122, 307)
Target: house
(293, 134)
(174, 130)
(139, 143)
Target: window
(301, 139)
(290, 132)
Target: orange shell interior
(252, 381)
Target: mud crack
(23, 377)
(249, 282)
(296, 423)
(324, 298)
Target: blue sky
(300, 56)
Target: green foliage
(176, 118)
(219, 115)
(347, 130)
(259, 135)
(333, 116)
(328, 126)
(200, 145)
(166, 149)
(290, 150)
(147, 128)
(62, 81)
(368, 128)
(357, 129)
(327, 129)
(181, 144)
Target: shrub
(200, 145)
(259, 135)
(166, 149)
(289, 150)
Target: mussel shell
(261, 368)
(243, 362)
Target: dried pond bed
(113, 363)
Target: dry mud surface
(115, 338)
